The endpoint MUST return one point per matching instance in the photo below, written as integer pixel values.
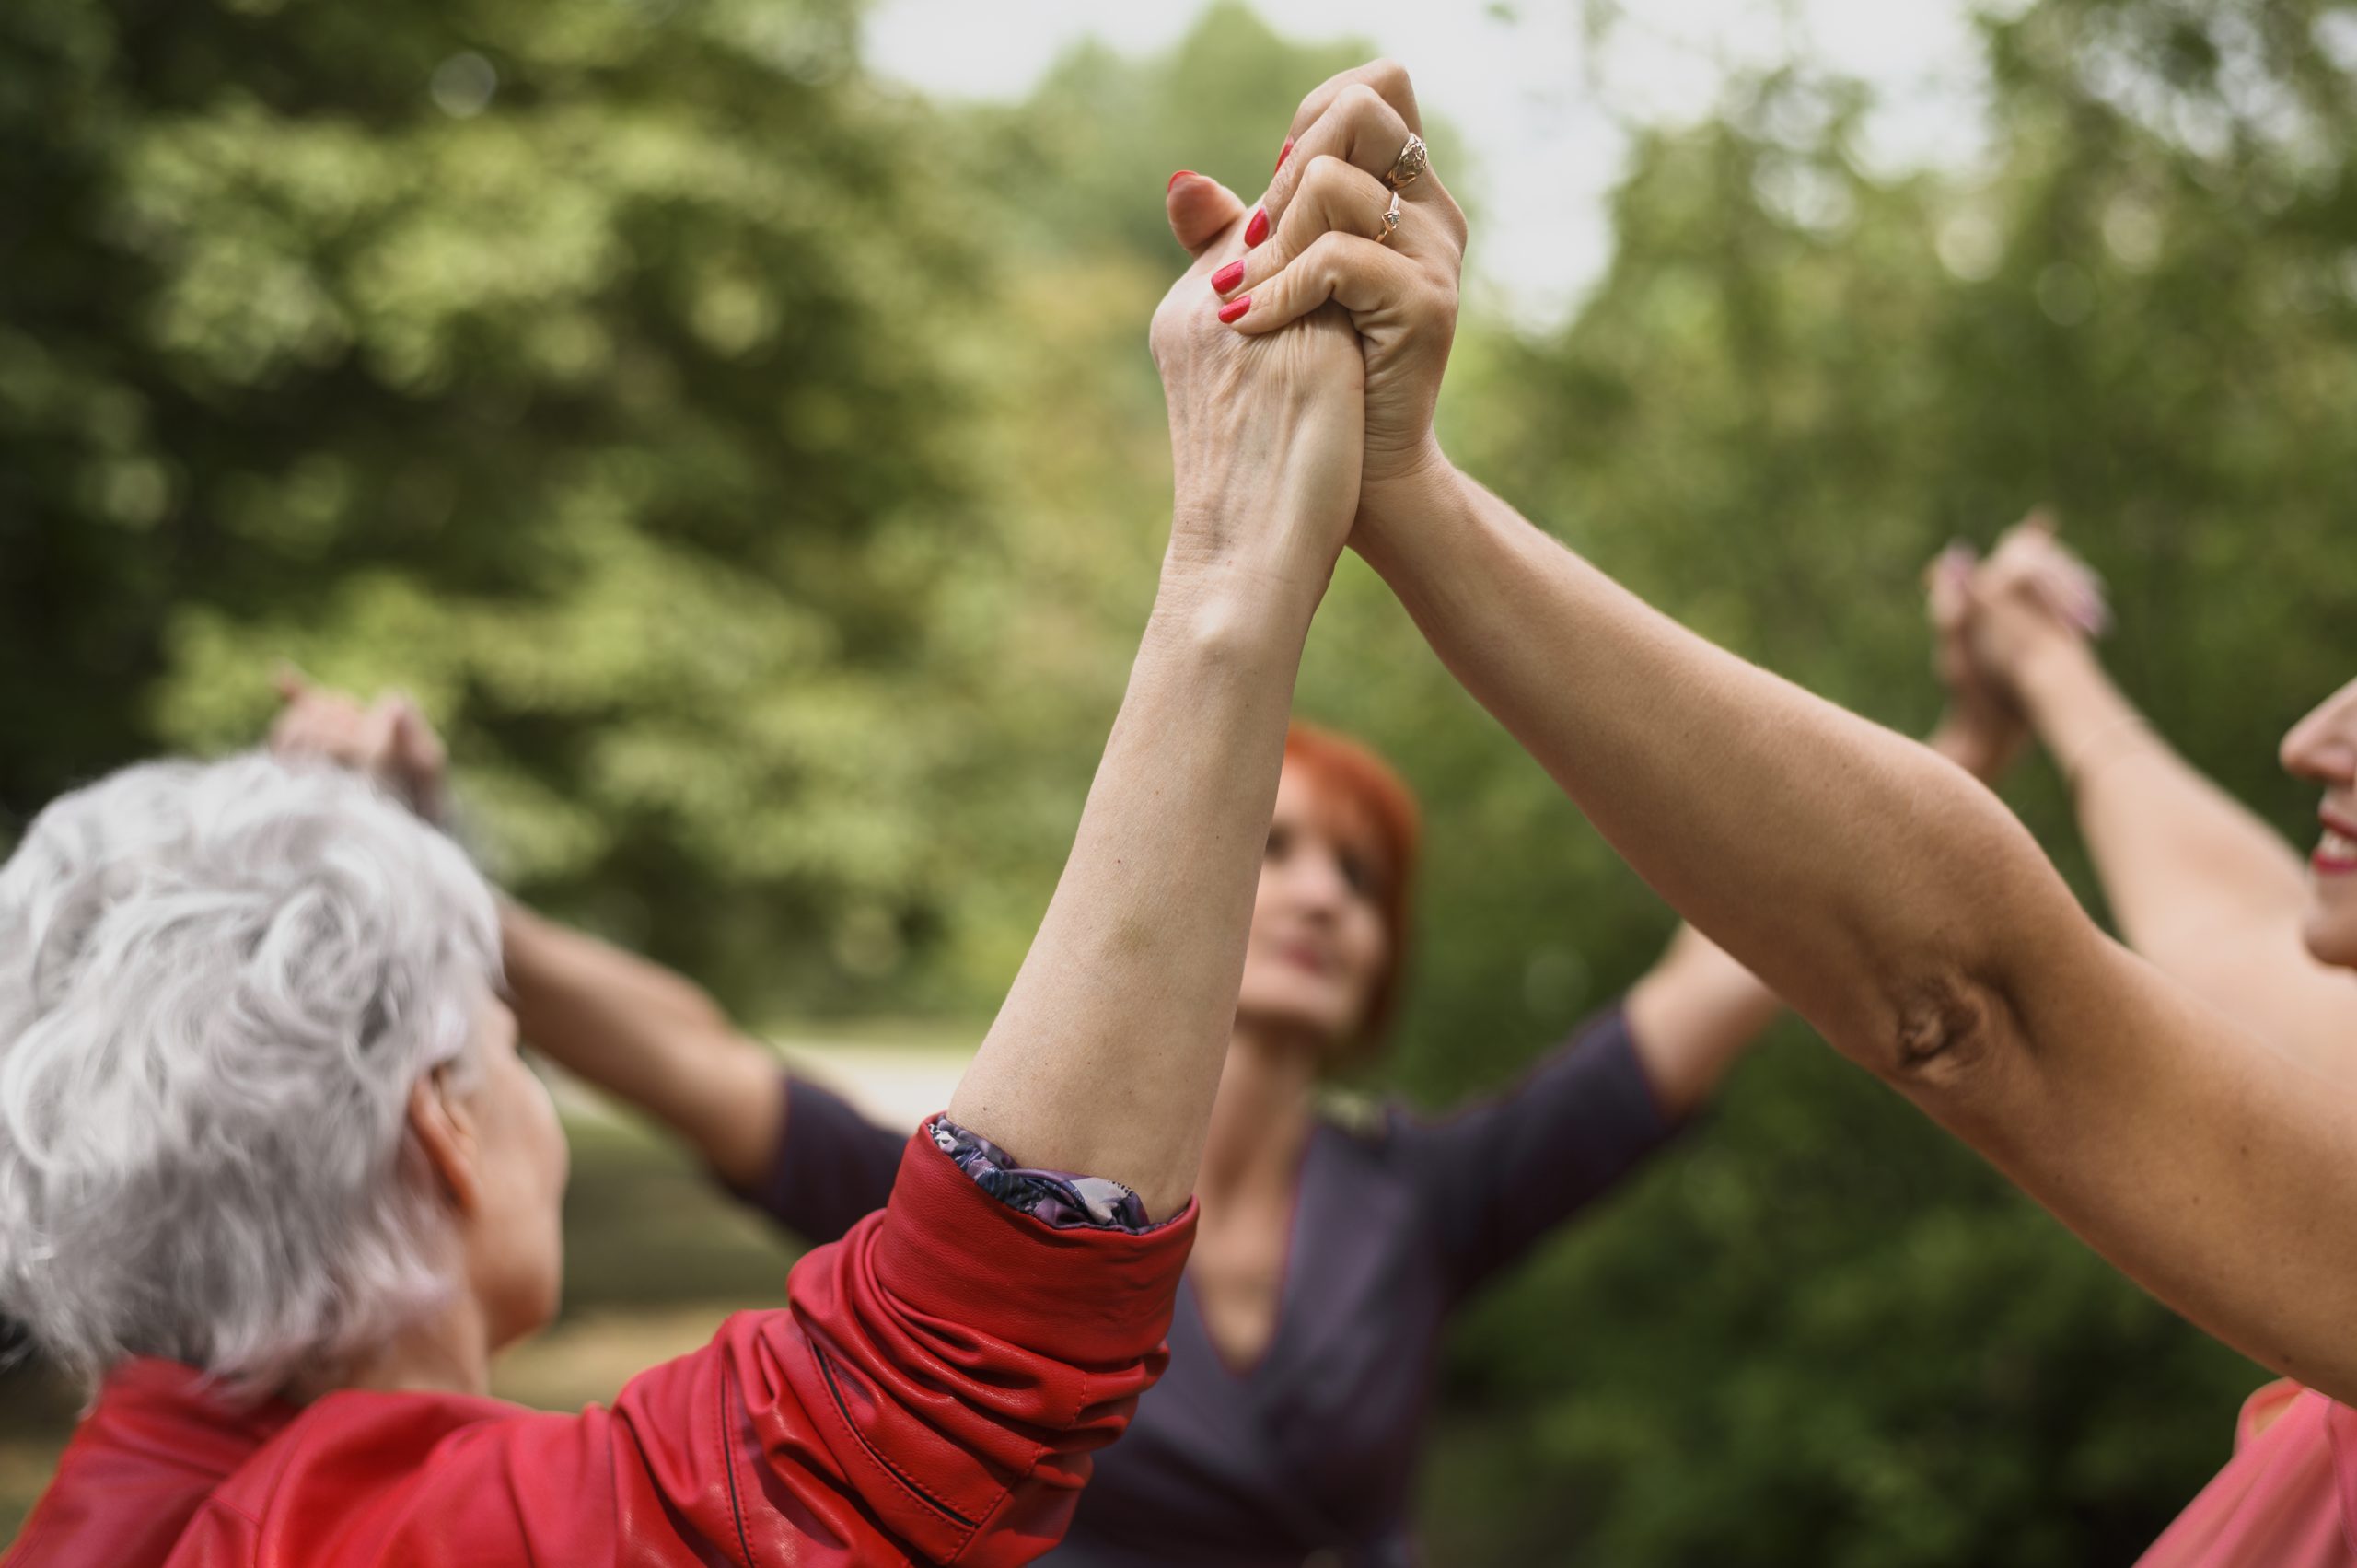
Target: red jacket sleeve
(931, 1392)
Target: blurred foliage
(760, 472)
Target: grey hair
(218, 983)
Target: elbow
(1939, 1039)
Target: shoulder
(383, 1473)
(362, 1435)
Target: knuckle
(1358, 100)
(1329, 259)
(1325, 176)
(1385, 74)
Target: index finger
(1387, 76)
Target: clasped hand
(1302, 352)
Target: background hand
(1981, 729)
(2030, 597)
(390, 740)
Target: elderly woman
(2216, 900)
(273, 1175)
(1901, 908)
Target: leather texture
(931, 1393)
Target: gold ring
(1411, 162)
(1390, 220)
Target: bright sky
(1516, 80)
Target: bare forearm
(646, 1036)
(1868, 882)
(2199, 884)
(2178, 856)
(1105, 1055)
(1691, 1016)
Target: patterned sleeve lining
(1052, 1197)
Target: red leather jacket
(929, 1394)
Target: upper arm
(2217, 1171)
(1496, 1176)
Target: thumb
(1200, 209)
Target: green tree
(571, 364)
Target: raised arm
(1877, 887)
(1697, 1011)
(1107, 1051)
(648, 1036)
(1691, 1017)
(1904, 912)
(2197, 883)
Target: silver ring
(1390, 220)
(1412, 160)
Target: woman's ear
(443, 1131)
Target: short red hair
(1379, 808)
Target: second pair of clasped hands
(1301, 355)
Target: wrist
(2055, 681)
(1410, 507)
(1234, 600)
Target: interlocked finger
(1335, 198)
(1362, 129)
(1360, 274)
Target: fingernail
(1284, 152)
(1227, 277)
(1257, 229)
(1182, 174)
(1233, 311)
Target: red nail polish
(1284, 152)
(1233, 311)
(1257, 229)
(1175, 179)
(1227, 277)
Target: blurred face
(513, 1229)
(1319, 945)
(2323, 747)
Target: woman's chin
(526, 1312)
(2329, 929)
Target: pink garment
(2287, 1499)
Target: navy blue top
(1310, 1455)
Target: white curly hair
(218, 983)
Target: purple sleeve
(831, 1166)
(1497, 1174)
